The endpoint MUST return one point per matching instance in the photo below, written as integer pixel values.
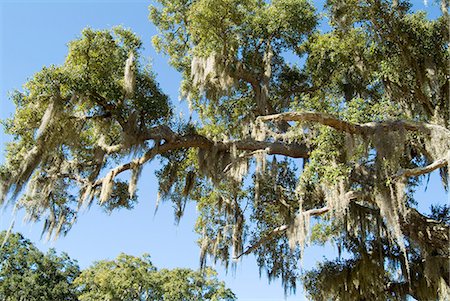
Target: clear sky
(34, 34)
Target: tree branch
(279, 230)
(414, 172)
(356, 128)
(262, 241)
(351, 195)
(244, 75)
(430, 234)
(322, 118)
(175, 142)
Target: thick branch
(356, 128)
(322, 118)
(262, 241)
(157, 133)
(243, 74)
(174, 142)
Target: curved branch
(157, 133)
(356, 128)
(322, 118)
(414, 172)
(351, 195)
(174, 142)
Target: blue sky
(34, 34)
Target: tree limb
(260, 242)
(174, 142)
(245, 75)
(355, 128)
(430, 234)
(351, 195)
(279, 230)
(414, 172)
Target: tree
(28, 274)
(344, 138)
(135, 278)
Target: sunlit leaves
(135, 278)
(66, 119)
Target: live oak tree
(135, 278)
(343, 136)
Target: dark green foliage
(28, 274)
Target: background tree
(28, 274)
(344, 138)
(135, 278)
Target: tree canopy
(330, 148)
(135, 278)
(28, 274)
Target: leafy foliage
(363, 115)
(65, 118)
(135, 278)
(28, 274)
